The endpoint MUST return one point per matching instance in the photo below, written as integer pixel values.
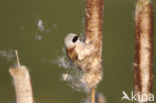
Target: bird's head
(71, 40)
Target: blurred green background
(19, 30)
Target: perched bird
(84, 56)
(80, 53)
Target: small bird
(84, 55)
(80, 53)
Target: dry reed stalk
(94, 21)
(22, 82)
(143, 47)
(93, 95)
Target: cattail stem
(143, 47)
(17, 57)
(22, 82)
(93, 95)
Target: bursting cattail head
(84, 57)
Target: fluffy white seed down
(90, 80)
(84, 55)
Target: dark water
(37, 29)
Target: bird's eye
(75, 39)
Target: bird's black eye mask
(75, 39)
